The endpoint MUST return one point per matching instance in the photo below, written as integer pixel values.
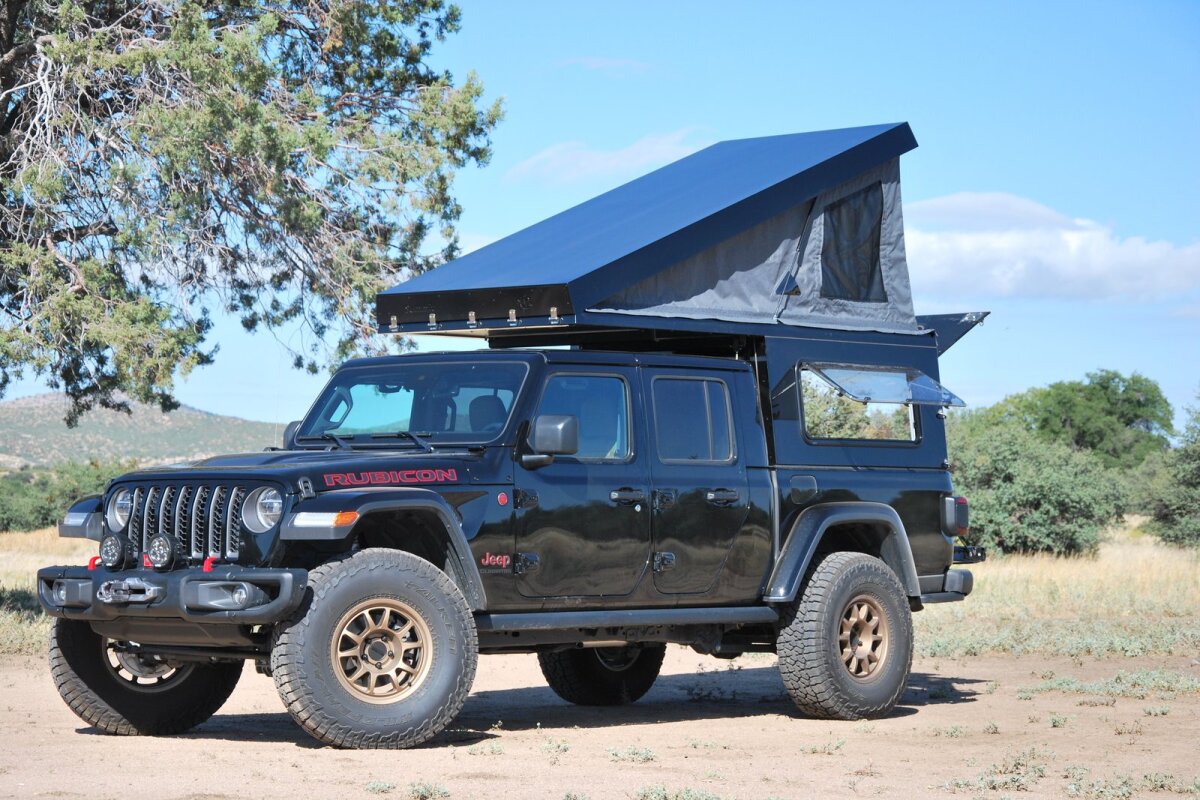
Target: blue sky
(1057, 182)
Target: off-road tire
(80, 666)
(317, 689)
(811, 660)
(587, 677)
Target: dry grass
(23, 627)
(1136, 597)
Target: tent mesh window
(850, 268)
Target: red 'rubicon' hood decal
(390, 477)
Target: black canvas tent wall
(762, 236)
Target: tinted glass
(691, 420)
(449, 402)
(829, 414)
(601, 403)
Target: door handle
(626, 496)
(722, 497)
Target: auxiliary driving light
(161, 551)
(112, 551)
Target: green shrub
(38, 498)
(1174, 492)
(1028, 494)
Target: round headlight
(161, 551)
(112, 551)
(262, 509)
(120, 506)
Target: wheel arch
(416, 521)
(872, 528)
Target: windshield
(448, 403)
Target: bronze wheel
(845, 644)
(863, 638)
(382, 654)
(382, 651)
(140, 674)
(128, 693)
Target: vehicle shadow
(722, 693)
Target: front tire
(129, 695)
(845, 648)
(382, 655)
(602, 676)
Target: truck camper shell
(779, 236)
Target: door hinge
(663, 561)
(526, 562)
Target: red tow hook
(208, 564)
(92, 562)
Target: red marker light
(502, 498)
(92, 562)
(208, 564)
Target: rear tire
(381, 655)
(845, 648)
(602, 676)
(123, 694)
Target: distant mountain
(32, 432)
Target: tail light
(956, 516)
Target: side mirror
(551, 435)
(289, 434)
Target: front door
(583, 522)
(701, 492)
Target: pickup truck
(729, 486)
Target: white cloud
(620, 66)
(571, 162)
(1002, 245)
(468, 241)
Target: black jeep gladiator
(732, 485)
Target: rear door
(701, 493)
(583, 522)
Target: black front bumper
(226, 595)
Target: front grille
(204, 519)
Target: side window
(850, 268)
(482, 409)
(829, 414)
(692, 420)
(601, 403)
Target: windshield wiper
(413, 437)
(328, 437)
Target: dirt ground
(708, 729)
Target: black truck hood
(337, 469)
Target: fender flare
(369, 501)
(806, 534)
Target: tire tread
(802, 658)
(288, 666)
(212, 684)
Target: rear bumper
(956, 586)
(227, 595)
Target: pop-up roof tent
(763, 236)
